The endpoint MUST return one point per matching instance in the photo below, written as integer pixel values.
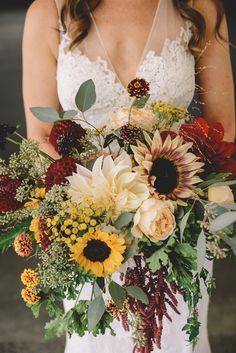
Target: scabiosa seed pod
(23, 245)
(59, 170)
(8, 189)
(130, 133)
(66, 135)
(138, 88)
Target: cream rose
(141, 118)
(155, 219)
(220, 194)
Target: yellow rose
(155, 219)
(142, 118)
(220, 194)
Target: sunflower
(100, 252)
(169, 166)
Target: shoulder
(209, 10)
(41, 24)
(43, 13)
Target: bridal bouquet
(129, 213)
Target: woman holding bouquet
(176, 46)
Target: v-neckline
(143, 54)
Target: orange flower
(29, 296)
(23, 245)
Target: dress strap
(59, 6)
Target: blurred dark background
(19, 331)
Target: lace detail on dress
(171, 75)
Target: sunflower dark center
(167, 175)
(97, 250)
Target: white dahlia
(112, 185)
(169, 166)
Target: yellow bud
(75, 224)
(68, 232)
(73, 237)
(91, 229)
(62, 213)
(93, 222)
(75, 230)
(63, 228)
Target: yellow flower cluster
(34, 227)
(29, 296)
(73, 220)
(30, 278)
(39, 193)
(168, 113)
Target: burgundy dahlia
(66, 135)
(44, 237)
(59, 170)
(138, 88)
(8, 188)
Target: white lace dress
(169, 67)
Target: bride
(176, 45)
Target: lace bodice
(167, 65)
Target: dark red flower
(59, 170)
(138, 88)
(65, 135)
(209, 145)
(130, 134)
(44, 237)
(8, 188)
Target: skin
(125, 46)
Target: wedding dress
(168, 65)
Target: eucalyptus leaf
(226, 183)
(183, 224)
(86, 96)
(137, 293)
(46, 115)
(223, 221)
(123, 220)
(69, 114)
(141, 102)
(95, 312)
(201, 251)
(214, 178)
(117, 293)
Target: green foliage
(137, 293)
(46, 115)
(213, 178)
(201, 251)
(140, 102)
(192, 329)
(123, 220)
(223, 221)
(117, 293)
(35, 309)
(86, 96)
(95, 312)
(159, 258)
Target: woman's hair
(78, 12)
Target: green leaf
(35, 309)
(141, 102)
(47, 115)
(137, 293)
(117, 293)
(95, 312)
(213, 179)
(201, 251)
(186, 250)
(228, 183)
(223, 221)
(123, 220)
(101, 283)
(7, 238)
(183, 224)
(68, 114)
(157, 259)
(58, 326)
(86, 96)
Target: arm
(40, 42)
(216, 76)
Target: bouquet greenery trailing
(149, 196)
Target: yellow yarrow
(30, 278)
(40, 193)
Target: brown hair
(78, 11)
